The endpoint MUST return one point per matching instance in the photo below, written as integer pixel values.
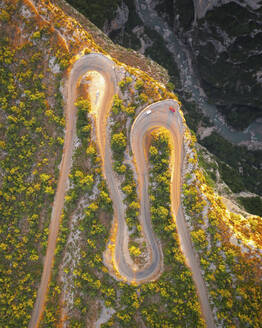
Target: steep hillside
(163, 32)
(59, 112)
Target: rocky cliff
(224, 38)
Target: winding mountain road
(92, 62)
(159, 116)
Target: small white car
(148, 112)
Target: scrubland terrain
(39, 47)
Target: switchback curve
(92, 62)
(156, 116)
(160, 116)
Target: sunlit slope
(39, 45)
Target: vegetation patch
(228, 248)
(31, 141)
(182, 306)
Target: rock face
(120, 19)
(202, 6)
(225, 42)
(224, 39)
